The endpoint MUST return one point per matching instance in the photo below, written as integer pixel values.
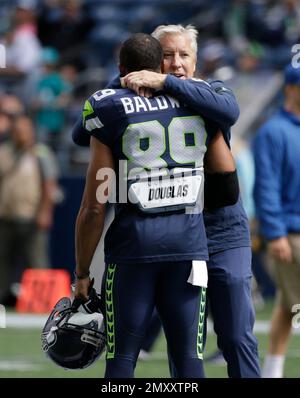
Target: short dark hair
(141, 51)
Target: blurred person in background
(50, 100)
(4, 126)
(10, 106)
(277, 193)
(23, 49)
(263, 286)
(28, 184)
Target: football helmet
(72, 339)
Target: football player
(155, 249)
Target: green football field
(21, 356)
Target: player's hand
(145, 78)
(280, 249)
(142, 91)
(82, 289)
(145, 92)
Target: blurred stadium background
(58, 52)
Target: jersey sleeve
(211, 128)
(80, 135)
(97, 116)
(211, 100)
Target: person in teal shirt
(53, 94)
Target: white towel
(198, 275)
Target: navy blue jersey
(154, 133)
(227, 227)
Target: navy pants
(230, 301)
(131, 293)
(152, 333)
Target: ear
(195, 64)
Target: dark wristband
(220, 189)
(82, 276)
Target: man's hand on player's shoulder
(143, 80)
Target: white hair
(189, 30)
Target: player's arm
(216, 102)
(90, 219)
(220, 106)
(221, 182)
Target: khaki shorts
(287, 276)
